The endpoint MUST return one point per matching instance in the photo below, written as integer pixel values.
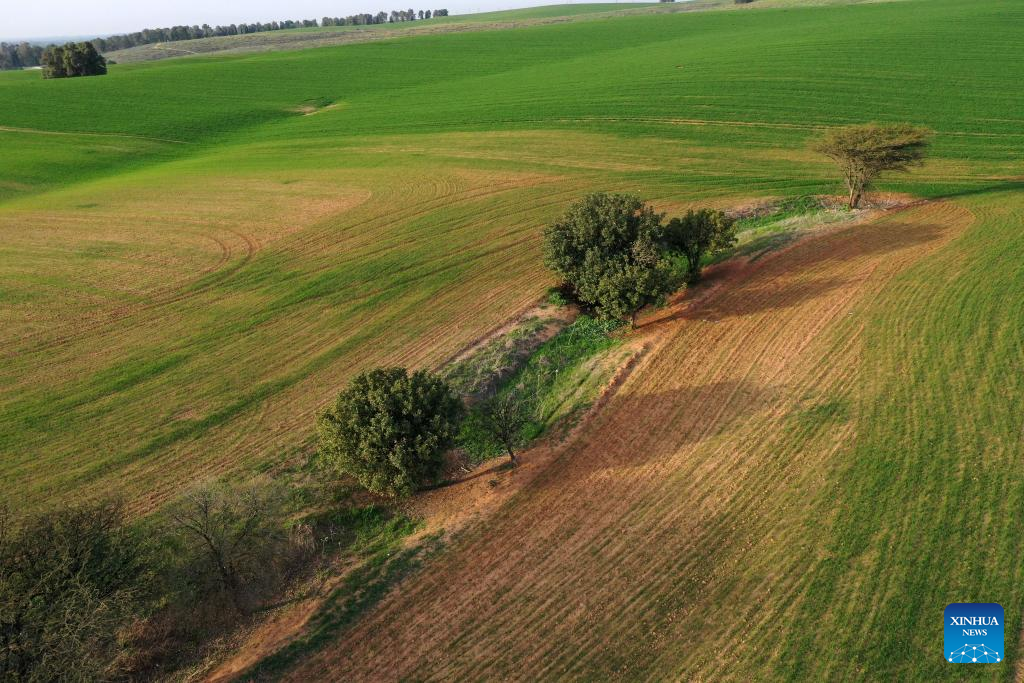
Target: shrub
(389, 429)
(697, 234)
(70, 581)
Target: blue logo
(974, 633)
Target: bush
(70, 581)
(557, 297)
(389, 429)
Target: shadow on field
(634, 429)
(775, 284)
(1015, 185)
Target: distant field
(195, 254)
(304, 38)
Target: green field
(196, 253)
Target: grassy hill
(304, 38)
(195, 254)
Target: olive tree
(698, 233)
(606, 248)
(863, 152)
(390, 428)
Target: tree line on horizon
(175, 33)
(20, 55)
(23, 54)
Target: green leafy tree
(389, 429)
(606, 248)
(504, 418)
(697, 234)
(864, 152)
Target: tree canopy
(389, 429)
(863, 152)
(73, 59)
(697, 234)
(606, 248)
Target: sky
(74, 18)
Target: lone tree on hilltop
(698, 233)
(389, 429)
(863, 152)
(606, 248)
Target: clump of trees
(863, 152)
(615, 253)
(20, 55)
(390, 428)
(697, 234)
(607, 247)
(72, 60)
(88, 595)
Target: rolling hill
(804, 467)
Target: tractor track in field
(158, 299)
(222, 270)
(129, 136)
(677, 485)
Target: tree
(73, 59)
(389, 429)
(70, 580)
(237, 534)
(697, 234)
(863, 152)
(606, 248)
(504, 417)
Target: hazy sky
(33, 19)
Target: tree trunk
(632, 320)
(512, 456)
(856, 190)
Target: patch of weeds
(489, 365)
(772, 227)
(384, 566)
(556, 381)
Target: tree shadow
(633, 430)
(764, 285)
(991, 188)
